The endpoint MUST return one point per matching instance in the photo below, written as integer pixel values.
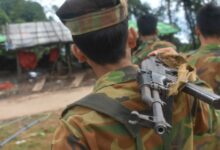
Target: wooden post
(19, 70)
(68, 59)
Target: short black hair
(105, 46)
(208, 20)
(147, 24)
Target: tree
(33, 12)
(18, 11)
(190, 8)
(136, 8)
(3, 17)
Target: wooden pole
(19, 70)
(68, 59)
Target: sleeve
(204, 114)
(206, 126)
(210, 139)
(64, 139)
(201, 117)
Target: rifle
(154, 79)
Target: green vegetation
(39, 137)
(19, 11)
(168, 10)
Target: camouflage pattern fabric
(207, 62)
(97, 20)
(148, 46)
(82, 128)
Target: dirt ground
(43, 102)
(22, 107)
(56, 94)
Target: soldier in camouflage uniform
(147, 26)
(100, 33)
(207, 58)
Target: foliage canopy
(19, 11)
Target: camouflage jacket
(146, 47)
(82, 128)
(207, 62)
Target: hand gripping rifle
(154, 79)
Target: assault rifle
(154, 80)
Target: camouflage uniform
(148, 46)
(83, 128)
(207, 62)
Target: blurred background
(38, 74)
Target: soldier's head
(99, 29)
(208, 21)
(147, 25)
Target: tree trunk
(189, 17)
(169, 11)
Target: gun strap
(168, 111)
(110, 107)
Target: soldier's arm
(65, 138)
(206, 118)
(206, 127)
(167, 51)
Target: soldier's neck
(101, 70)
(149, 38)
(209, 40)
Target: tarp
(27, 35)
(27, 60)
(163, 28)
(2, 38)
(166, 29)
(6, 86)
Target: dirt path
(42, 102)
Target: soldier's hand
(164, 51)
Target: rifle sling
(108, 106)
(168, 111)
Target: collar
(122, 75)
(151, 40)
(209, 48)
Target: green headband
(97, 20)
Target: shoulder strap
(108, 106)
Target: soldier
(100, 120)
(147, 26)
(207, 58)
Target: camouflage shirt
(148, 46)
(207, 62)
(83, 128)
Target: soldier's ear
(78, 54)
(132, 38)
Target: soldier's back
(146, 47)
(207, 62)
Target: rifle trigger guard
(139, 117)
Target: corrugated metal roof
(33, 34)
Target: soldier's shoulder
(214, 57)
(142, 46)
(162, 44)
(81, 110)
